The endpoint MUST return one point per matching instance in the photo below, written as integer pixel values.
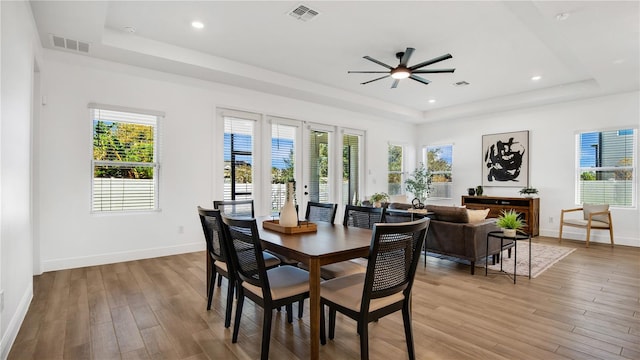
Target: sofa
(453, 233)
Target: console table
(528, 207)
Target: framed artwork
(505, 159)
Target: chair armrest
(606, 212)
(570, 210)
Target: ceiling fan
(402, 71)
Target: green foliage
(395, 158)
(123, 142)
(588, 176)
(282, 176)
(435, 163)
(510, 219)
(419, 182)
(382, 197)
(528, 190)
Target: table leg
(208, 262)
(314, 307)
(529, 256)
(515, 258)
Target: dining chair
(594, 216)
(212, 227)
(268, 288)
(235, 208)
(385, 287)
(398, 216)
(324, 212)
(362, 216)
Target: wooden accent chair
(270, 289)
(235, 208)
(593, 217)
(384, 289)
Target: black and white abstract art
(505, 159)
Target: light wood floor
(584, 307)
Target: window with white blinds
(125, 160)
(606, 167)
(238, 158)
(351, 164)
(396, 170)
(283, 161)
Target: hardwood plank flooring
(587, 306)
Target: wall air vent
(304, 13)
(60, 42)
(461, 83)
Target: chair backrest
(245, 252)
(325, 212)
(393, 258)
(362, 216)
(587, 209)
(213, 233)
(235, 208)
(398, 216)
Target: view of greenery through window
(395, 170)
(606, 170)
(438, 161)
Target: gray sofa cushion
(452, 214)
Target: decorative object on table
(471, 191)
(403, 71)
(302, 227)
(419, 183)
(288, 213)
(417, 204)
(528, 191)
(505, 159)
(479, 190)
(378, 198)
(510, 222)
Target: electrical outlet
(180, 229)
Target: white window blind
(351, 162)
(124, 161)
(238, 158)
(283, 162)
(607, 167)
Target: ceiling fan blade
(420, 79)
(395, 83)
(406, 56)
(378, 62)
(380, 78)
(433, 71)
(432, 61)
(367, 72)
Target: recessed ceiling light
(562, 16)
(197, 25)
(431, 101)
(129, 29)
(618, 61)
(536, 78)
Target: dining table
(329, 244)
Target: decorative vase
(471, 191)
(288, 214)
(377, 204)
(479, 190)
(509, 232)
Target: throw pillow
(591, 208)
(477, 215)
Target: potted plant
(528, 191)
(419, 183)
(378, 198)
(510, 222)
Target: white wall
(20, 46)
(552, 132)
(71, 236)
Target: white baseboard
(16, 321)
(82, 261)
(597, 236)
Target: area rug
(543, 256)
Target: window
(283, 161)
(238, 158)
(125, 159)
(606, 168)
(351, 160)
(438, 160)
(396, 170)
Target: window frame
(159, 116)
(255, 120)
(425, 150)
(579, 170)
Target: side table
(519, 237)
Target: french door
(319, 167)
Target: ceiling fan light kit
(403, 71)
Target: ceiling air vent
(303, 13)
(69, 44)
(461, 83)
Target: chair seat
(270, 260)
(221, 265)
(340, 269)
(347, 292)
(584, 223)
(284, 281)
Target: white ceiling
(497, 46)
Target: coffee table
(519, 237)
